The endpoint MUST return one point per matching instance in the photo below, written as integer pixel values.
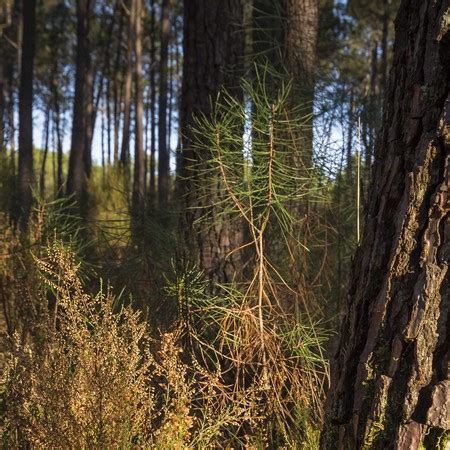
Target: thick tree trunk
(26, 110)
(163, 153)
(213, 57)
(76, 176)
(390, 380)
(139, 163)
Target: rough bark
(300, 59)
(76, 175)
(213, 57)
(301, 42)
(390, 374)
(26, 110)
(163, 152)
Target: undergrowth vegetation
(85, 370)
(113, 338)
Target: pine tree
(389, 378)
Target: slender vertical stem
(358, 182)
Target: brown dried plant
(92, 377)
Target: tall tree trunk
(301, 40)
(125, 149)
(11, 108)
(117, 89)
(57, 130)
(373, 117)
(153, 105)
(89, 112)
(44, 156)
(2, 108)
(163, 153)
(213, 58)
(139, 163)
(95, 97)
(59, 150)
(6, 14)
(26, 110)
(384, 46)
(300, 47)
(108, 118)
(76, 176)
(390, 374)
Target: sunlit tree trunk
(26, 110)
(390, 373)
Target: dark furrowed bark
(213, 58)
(390, 375)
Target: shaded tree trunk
(108, 117)
(163, 153)
(90, 112)
(117, 90)
(300, 48)
(76, 177)
(59, 144)
(139, 159)
(390, 373)
(153, 105)
(384, 46)
(125, 149)
(213, 58)
(26, 110)
(301, 41)
(2, 108)
(44, 156)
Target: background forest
(182, 189)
